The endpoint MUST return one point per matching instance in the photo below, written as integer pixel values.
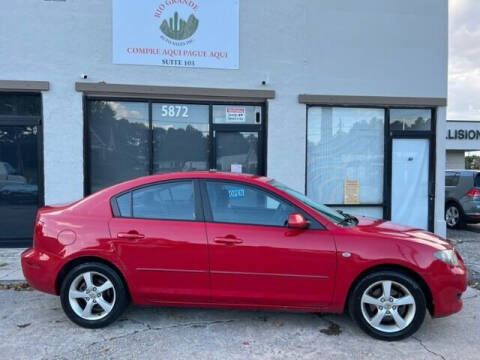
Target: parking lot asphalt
(33, 326)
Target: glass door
(19, 185)
(237, 151)
(412, 166)
(237, 132)
(410, 195)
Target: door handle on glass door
(228, 240)
(132, 235)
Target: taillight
(474, 193)
(37, 229)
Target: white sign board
(235, 114)
(185, 33)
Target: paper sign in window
(351, 192)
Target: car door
(159, 233)
(255, 258)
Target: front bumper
(447, 286)
(40, 270)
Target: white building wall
(455, 160)
(330, 47)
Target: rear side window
(451, 178)
(124, 203)
(477, 180)
(171, 201)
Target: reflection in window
(119, 139)
(237, 152)
(345, 144)
(180, 137)
(18, 181)
(20, 104)
(410, 119)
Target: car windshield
(324, 210)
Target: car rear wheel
(93, 295)
(453, 216)
(388, 305)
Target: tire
(367, 310)
(107, 295)
(454, 216)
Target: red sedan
(229, 240)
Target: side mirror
(297, 221)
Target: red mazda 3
(230, 240)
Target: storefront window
(411, 119)
(345, 158)
(180, 137)
(128, 139)
(20, 104)
(119, 142)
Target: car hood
(401, 232)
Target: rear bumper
(472, 218)
(40, 270)
(447, 286)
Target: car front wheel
(388, 305)
(93, 295)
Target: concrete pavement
(10, 268)
(33, 326)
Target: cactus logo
(179, 29)
(178, 20)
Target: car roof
(210, 174)
(463, 170)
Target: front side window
(244, 204)
(169, 201)
(345, 158)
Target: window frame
(261, 129)
(208, 215)
(197, 201)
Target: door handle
(228, 240)
(130, 235)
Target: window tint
(124, 203)
(477, 180)
(451, 179)
(172, 200)
(239, 203)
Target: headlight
(447, 256)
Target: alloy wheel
(452, 216)
(388, 306)
(92, 295)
